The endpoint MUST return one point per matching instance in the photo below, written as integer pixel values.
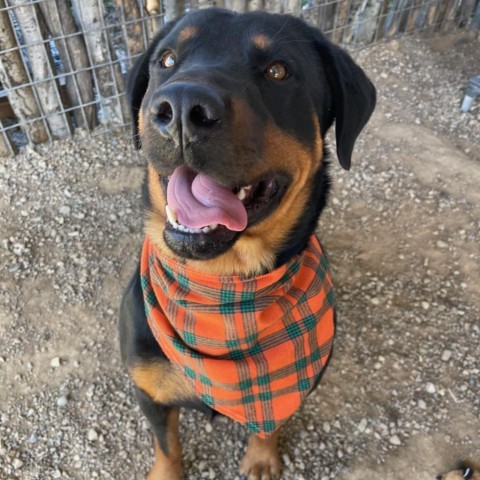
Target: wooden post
(108, 82)
(13, 74)
(173, 9)
(128, 11)
(60, 21)
(42, 68)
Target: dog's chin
(208, 243)
(199, 246)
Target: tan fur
(261, 460)
(168, 467)
(256, 249)
(262, 41)
(161, 382)
(188, 33)
(140, 122)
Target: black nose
(187, 113)
(439, 477)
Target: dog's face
(231, 111)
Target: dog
(463, 471)
(230, 309)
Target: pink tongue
(199, 201)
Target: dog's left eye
(467, 473)
(277, 71)
(168, 59)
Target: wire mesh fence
(63, 62)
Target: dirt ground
(401, 398)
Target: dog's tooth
(206, 229)
(172, 218)
(243, 192)
(213, 226)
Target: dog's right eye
(467, 473)
(168, 59)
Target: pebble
(92, 435)
(441, 244)
(430, 388)
(62, 401)
(55, 362)
(425, 305)
(17, 463)
(208, 427)
(395, 440)
(362, 425)
(446, 355)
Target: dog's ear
(139, 76)
(354, 96)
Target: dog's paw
(261, 460)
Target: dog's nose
(187, 113)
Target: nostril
(164, 113)
(200, 117)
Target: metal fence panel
(63, 63)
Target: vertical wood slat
(72, 50)
(42, 69)
(13, 75)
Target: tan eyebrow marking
(262, 41)
(188, 33)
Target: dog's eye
(277, 71)
(168, 59)
(467, 473)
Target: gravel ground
(401, 397)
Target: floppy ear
(138, 78)
(354, 96)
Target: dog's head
(231, 112)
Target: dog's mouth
(206, 217)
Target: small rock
(326, 427)
(55, 362)
(441, 244)
(208, 427)
(425, 305)
(430, 388)
(422, 404)
(362, 425)
(92, 435)
(32, 439)
(17, 463)
(375, 301)
(62, 401)
(64, 210)
(395, 440)
(446, 355)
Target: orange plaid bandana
(253, 348)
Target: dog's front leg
(262, 460)
(168, 450)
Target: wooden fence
(63, 62)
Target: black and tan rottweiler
(230, 309)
